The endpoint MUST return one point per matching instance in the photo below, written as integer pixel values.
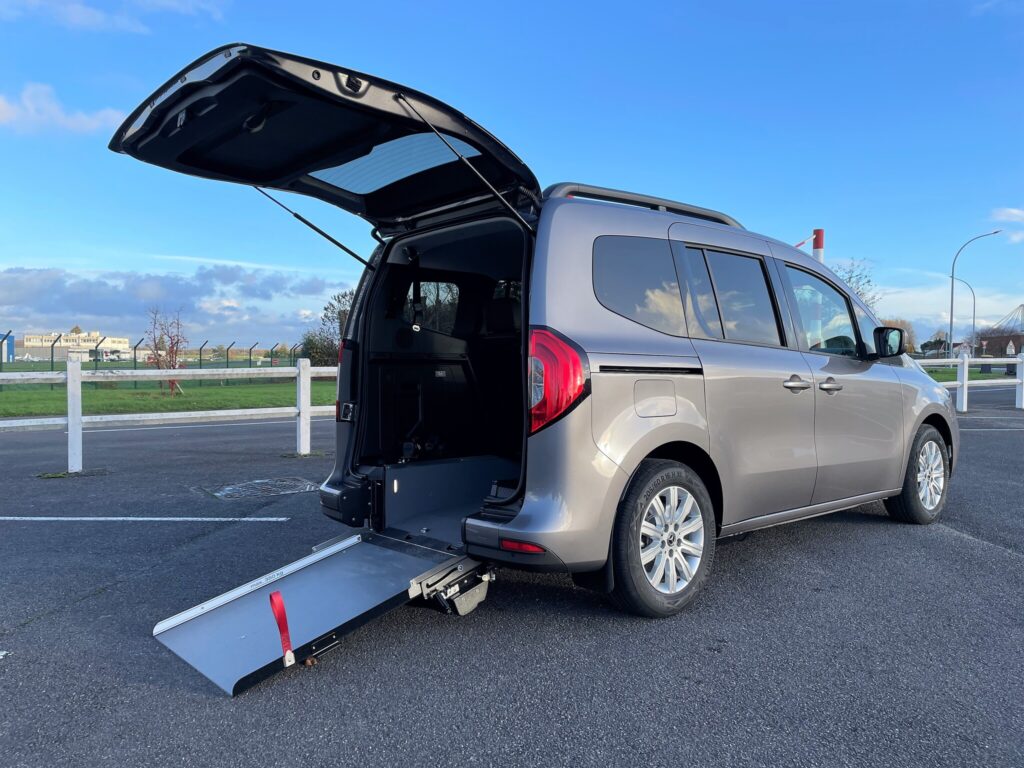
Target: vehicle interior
(442, 417)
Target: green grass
(974, 374)
(60, 365)
(29, 401)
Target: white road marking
(3, 653)
(290, 422)
(145, 519)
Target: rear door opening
(441, 413)
(431, 388)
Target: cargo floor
(439, 524)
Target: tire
(914, 505)
(640, 588)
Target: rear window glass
(744, 300)
(634, 277)
(439, 302)
(392, 161)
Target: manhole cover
(277, 486)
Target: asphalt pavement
(847, 640)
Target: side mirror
(890, 342)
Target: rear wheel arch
(693, 456)
(697, 459)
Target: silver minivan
(576, 379)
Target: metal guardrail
(963, 385)
(303, 410)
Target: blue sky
(896, 126)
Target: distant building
(77, 345)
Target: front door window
(824, 315)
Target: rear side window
(824, 315)
(439, 302)
(635, 277)
(744, 301)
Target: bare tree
(166, 339)
(857, 275)
(335, 314)
(320, 344)
(908, 331)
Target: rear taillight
(525, 547)
(558, 376)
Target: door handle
(830, 385)
(794, 383)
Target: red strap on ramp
(277, 606)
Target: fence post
(74, 382)
(302, 403)
(962, 372)
(1019, 403)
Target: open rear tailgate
(254, 116)
(234, 639)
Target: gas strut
(496, 193)
(316, 229)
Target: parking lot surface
(846, 640)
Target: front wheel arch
(942, 426)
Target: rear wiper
(316, 229)
(496, 193)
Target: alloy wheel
(931, 475)
(671, 539)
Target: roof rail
(570, 189)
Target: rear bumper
(572, 494)
(547, 562)
(329, 499)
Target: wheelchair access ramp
(303, 609)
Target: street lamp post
(974, 312)
(952, 277)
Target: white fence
(74, 421)
(963, 385)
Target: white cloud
(926, 305)
(71, 14)
(38, 108)
(1008, 214)
(1016, 237)
(187, 7)
(222, 303)
(76, 14)
(1011, 7)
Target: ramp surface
(234, 639)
